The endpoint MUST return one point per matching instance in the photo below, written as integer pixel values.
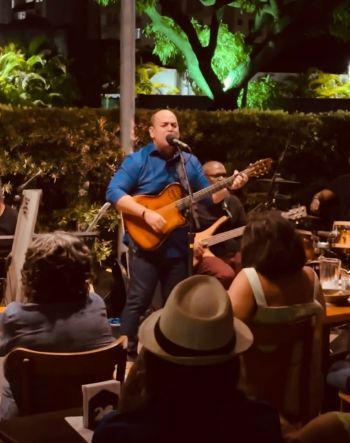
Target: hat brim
(244, 339)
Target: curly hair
(271, 245)
(58, 266)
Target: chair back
(49, 381)
(278, 366)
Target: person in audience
(338, 377)
(274, 272)
(276, 288)
(183, 385)
(58, 312)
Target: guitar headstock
(259, 168)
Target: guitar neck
(223, 236)
(185, 202)
(259, 167)
(292, 214)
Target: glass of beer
(330, 274)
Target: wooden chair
(344, 401)
(49, 381)
(278, 367)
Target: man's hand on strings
(239, 180)
(198, 249)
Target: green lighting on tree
(229, 62)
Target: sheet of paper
(77, 425)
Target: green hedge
(318, 144)
(76, 146)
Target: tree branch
(203, 54)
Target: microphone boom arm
(33, 177)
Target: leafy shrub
(78, 151)
(34, 78)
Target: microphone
(173, 141)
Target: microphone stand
(97, 217)
(190, 213)
(272, 192)
(18, 197)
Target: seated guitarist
(223, 259)
(147, 172)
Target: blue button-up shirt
(146, 172)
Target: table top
(42, 428)
(337, 314)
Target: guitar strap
(181, 175)
(183, 181)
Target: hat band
(181, 351)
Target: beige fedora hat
(196, 325)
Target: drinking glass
(345, 280)
(330, 273)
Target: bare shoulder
(310, 273)
(239, 282)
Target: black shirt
(208, 214)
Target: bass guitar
(207, 238)
(171, 204)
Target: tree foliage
(220, 61)
(144, 83)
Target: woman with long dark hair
(274, 272)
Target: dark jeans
(339, 375)
(146, 269)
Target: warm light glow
(349, 69)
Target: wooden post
(127, 74)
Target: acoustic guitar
(207, 238)
(171, 204)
